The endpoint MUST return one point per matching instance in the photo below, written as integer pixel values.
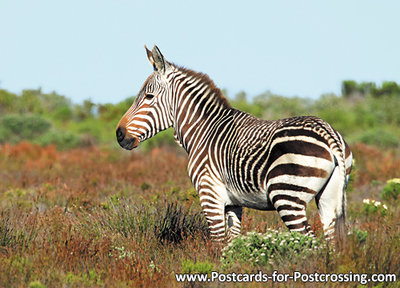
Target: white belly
(254, 200)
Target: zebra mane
(204, 78)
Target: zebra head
(150, 112)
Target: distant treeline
(352, 88)
(365, 112)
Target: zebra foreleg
(214, 210)
(233, 218)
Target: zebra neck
(200, 113)
(196, 105)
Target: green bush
(349, 87)
(7, 101)
(62, 114)
(379, 137)
(63, 140)
(271, 107)
(359, 235)
(15, 128)
(270, 248)
(391, 191)
(164, 138)
(373, 207)
(388, 88)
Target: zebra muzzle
(126, 142)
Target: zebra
(236, 160)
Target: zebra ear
(150, 56)
(160, 64)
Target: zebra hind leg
(292, 211)
(233, 219)
(327, 202)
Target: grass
(91, 217)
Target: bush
(164, 138)
(63, 140)
(15, 128)
(274, 246)
(388, 88)
(379, 137)
(62, 114)
(359, 235)
(391, 191)
(372, 207)
(349, 87)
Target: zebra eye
(149, 96)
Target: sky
(94, 49)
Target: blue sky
(94, 49)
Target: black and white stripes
(237, 160)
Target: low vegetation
(91, 217)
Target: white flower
(384, 206)
(394, 180)
(366, 201)
(377, 203)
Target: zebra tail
(340, 224)
(340, 229)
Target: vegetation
(77, 212)
(272, 248)
(363, 113)
(391, 191)
(91, 217)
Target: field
(96, 217)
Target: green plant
(188, 266)
(379, 137)
(122, 253)
(163, 138)
(15, 128)
(359, 235)
(373, 207)
(63, 140)
(267, 249)
(87, 279)
(36, 284)
(391, 191)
